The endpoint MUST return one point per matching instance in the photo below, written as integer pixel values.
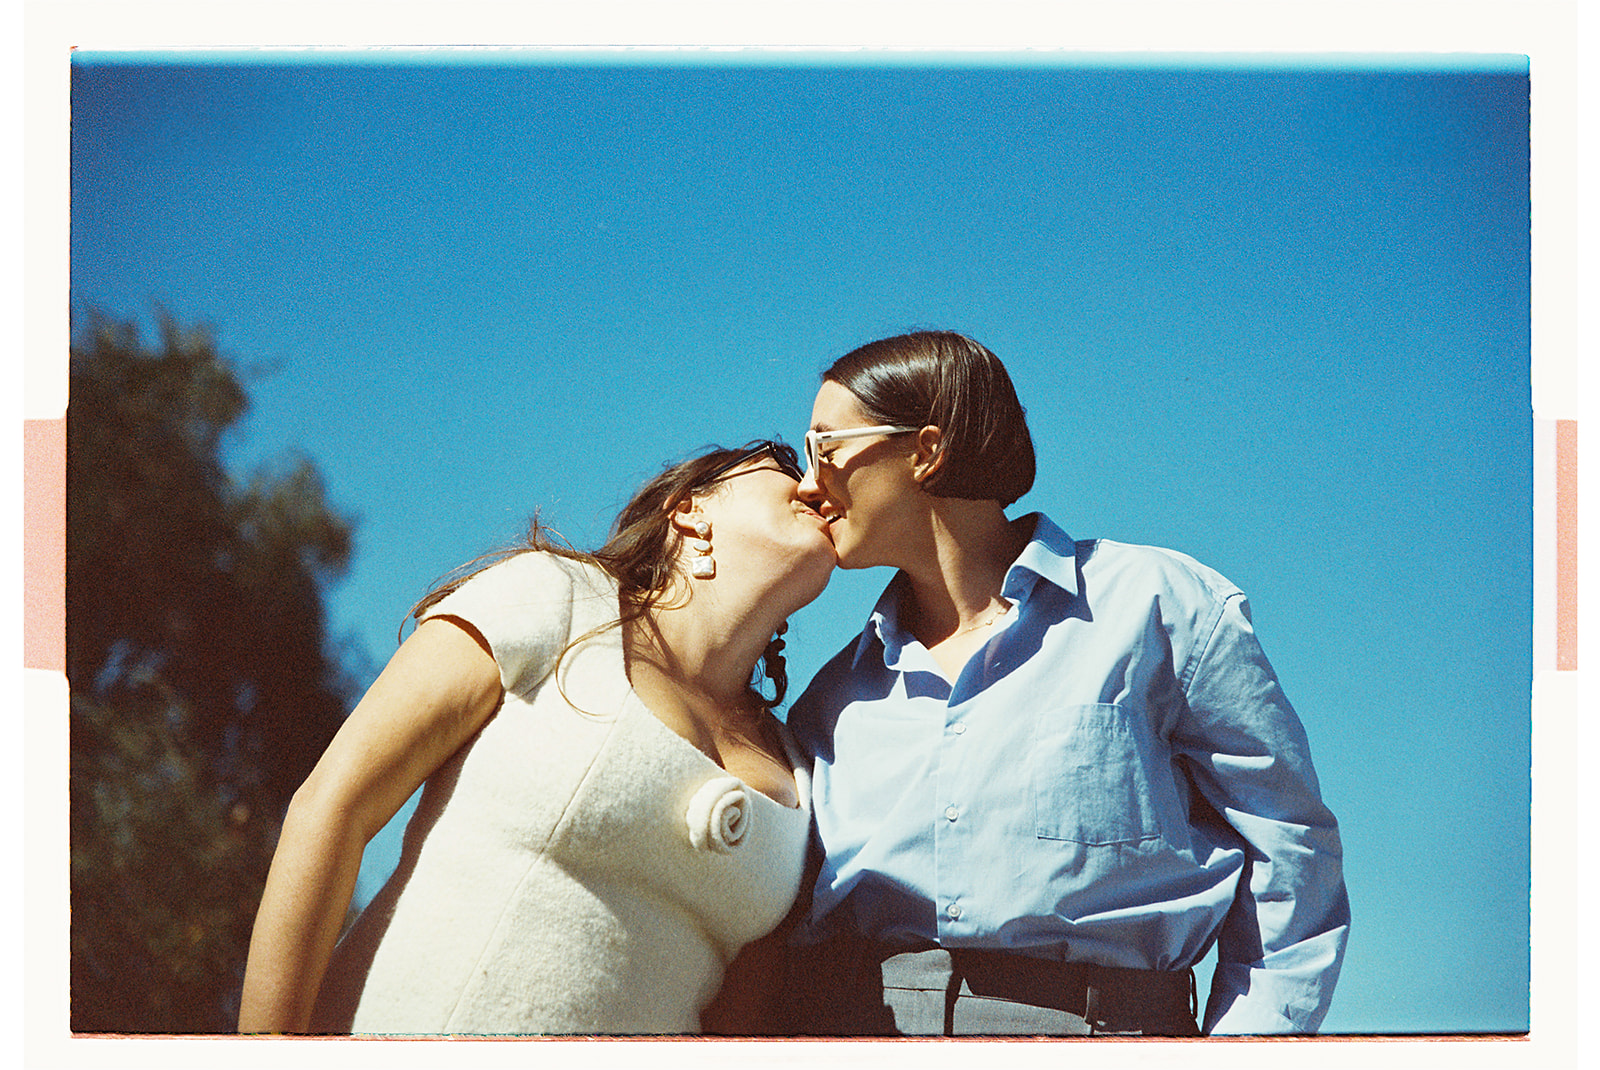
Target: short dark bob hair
(951, 382)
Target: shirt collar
(1050, 555)
(884, 624)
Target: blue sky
(1272, 314)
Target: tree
(203, 687)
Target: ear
(686, 514)
(930, 453)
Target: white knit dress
(576, 868)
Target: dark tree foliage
(203, 686)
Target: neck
(956, 581)
(702, 645)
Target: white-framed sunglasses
(815, 440)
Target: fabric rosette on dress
(719, 815)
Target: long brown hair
(641, 553)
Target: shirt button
(953, 911)
(959, 727)
(951, 813)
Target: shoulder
(528, 607)
(1153, 567)
(543, 567)
(525, 579)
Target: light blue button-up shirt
(1116, 777)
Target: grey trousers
(853, 988)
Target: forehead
(836, 408)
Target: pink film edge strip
(1566, 537)
(44, 544)
(44, 540)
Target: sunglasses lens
(784, 458)
(780, 455)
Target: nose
(810, 491)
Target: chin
(856, 559)
(821, 585)
(805, 584)
(850, 553)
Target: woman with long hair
(611, 811)
(1049, 775)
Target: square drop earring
(702, 566)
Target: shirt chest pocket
(1091, 784)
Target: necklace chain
(996, 615)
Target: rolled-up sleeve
(1282, 943)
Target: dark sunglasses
(783, 456)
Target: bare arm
(435, 693)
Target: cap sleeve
(523, 609)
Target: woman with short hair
(1048, 776)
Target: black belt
(1110, 998)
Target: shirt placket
(952, 829)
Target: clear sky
(1274, 315)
